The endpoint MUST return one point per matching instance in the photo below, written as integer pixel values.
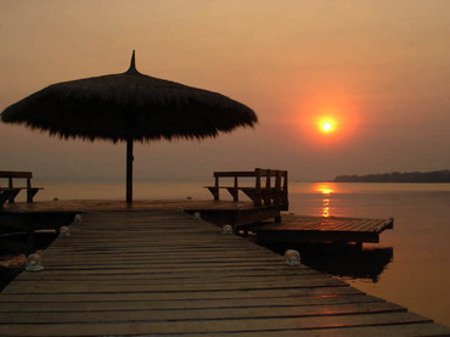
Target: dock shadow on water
(344, 261)
(24, 233)
(13, 251)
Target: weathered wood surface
(166, 273)
(16, 174)
(117, 205)
(320, 229)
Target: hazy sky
(380, 68)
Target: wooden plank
(186, 304)
(306, 280)
(232, 174)
(161, 296)
(197, 314)
(316, 236)
(139, 286)
(90, 260)
(264, 270)
(170, 254)
(15, 174)
(149, 276)
(95, 275)
(117, 206)
(421, 329)
(209, 326)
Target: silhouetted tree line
(442, 176)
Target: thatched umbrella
(128, 107)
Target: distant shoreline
(442, 176)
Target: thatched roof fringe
(130, 104)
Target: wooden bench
(263, 193)
(10, 193)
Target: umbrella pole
(130, 159)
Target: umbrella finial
(132, 69)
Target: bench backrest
(279, 175)
(15, 174)
(10, 175)
(255, 173)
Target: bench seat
(31, 192)
(215, 191)
(267, 195)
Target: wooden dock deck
(166, 273)
(298, 228)
(98, 205)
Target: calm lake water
(410, 266)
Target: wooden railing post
(216, 185)
(258, 186)
(10, 185)
(285, 188)
(267, 193)
(236, 190)
(29, 192)
(278, 180)
(278, 192)
(268, 178)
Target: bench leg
(278, 218)
(215, 192)
(9, 195)
(3, 198)
(31, 192)
(234, 193)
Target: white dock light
(34, 262)
(64, 231)
(197, 216)
(292, 257)
(227, 229)
(77, 219)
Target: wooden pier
(298, 228)
(168, 273)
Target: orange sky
(381, 68)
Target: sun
(326, 125)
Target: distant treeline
(442, 176)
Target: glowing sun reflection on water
(326, 191)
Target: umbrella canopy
(127, 107)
